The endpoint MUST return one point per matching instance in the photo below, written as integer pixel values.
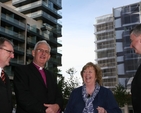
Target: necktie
(3, 76)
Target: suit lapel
(36, 72)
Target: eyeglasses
(11, 52)
(41, 50)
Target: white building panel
(119, 34)
(117, 12)
(120, 59)
(117, 23)
(120, 69)
(119, 47)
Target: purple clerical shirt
(41, 70)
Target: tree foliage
(67, 85)
(122, 96)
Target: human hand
(101, 110)
(51, 108)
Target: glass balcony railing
(52, 9)
(56, 50)
(10, 32)
(18, 48)
(54, 60)
(31, 39)
(29, 51)
(36, 4)
(46, 36)
(59, 41)
(14, 60)
(13, 20)
(105, 46)
(108, 64)
(57, 2)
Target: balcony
(16, 61)
(45, 17)
(4, 1)
(18, 3)
(57, 31)
(46, 36)
(39, 5)
(110, 84)
(55, 50)
(14, 21)
(46, 26)
(55, 61)
(31, 39)
(29, 52)
(18, 48)
(108, 74)
(130, 9)
(57, 3)
(108, 64)
(12, 33)
(103, 46)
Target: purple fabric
(58, 111)
(42, 73)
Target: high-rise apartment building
(117, 60)
(106, 50)
(125, 18)
(25, 22)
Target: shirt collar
(0, 71)
(40, 68)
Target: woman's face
(89, 76)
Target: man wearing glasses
(36, 87)
(6, 53)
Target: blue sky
(78, 30)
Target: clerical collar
(40, 68)
(1, 70)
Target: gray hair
(42, 41)
(136, 30)
(2, 40)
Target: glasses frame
(43, 51)
(11, 52)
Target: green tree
(122, 96)
(67, 85)
(71, 83)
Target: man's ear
(49, 57)
(33, 53)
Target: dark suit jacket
(104, 98)
(136, 91)
(31, 92)
(5, 96)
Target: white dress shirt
(0, 71)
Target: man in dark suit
(6, 53)
(135, 37)
(36, 87)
